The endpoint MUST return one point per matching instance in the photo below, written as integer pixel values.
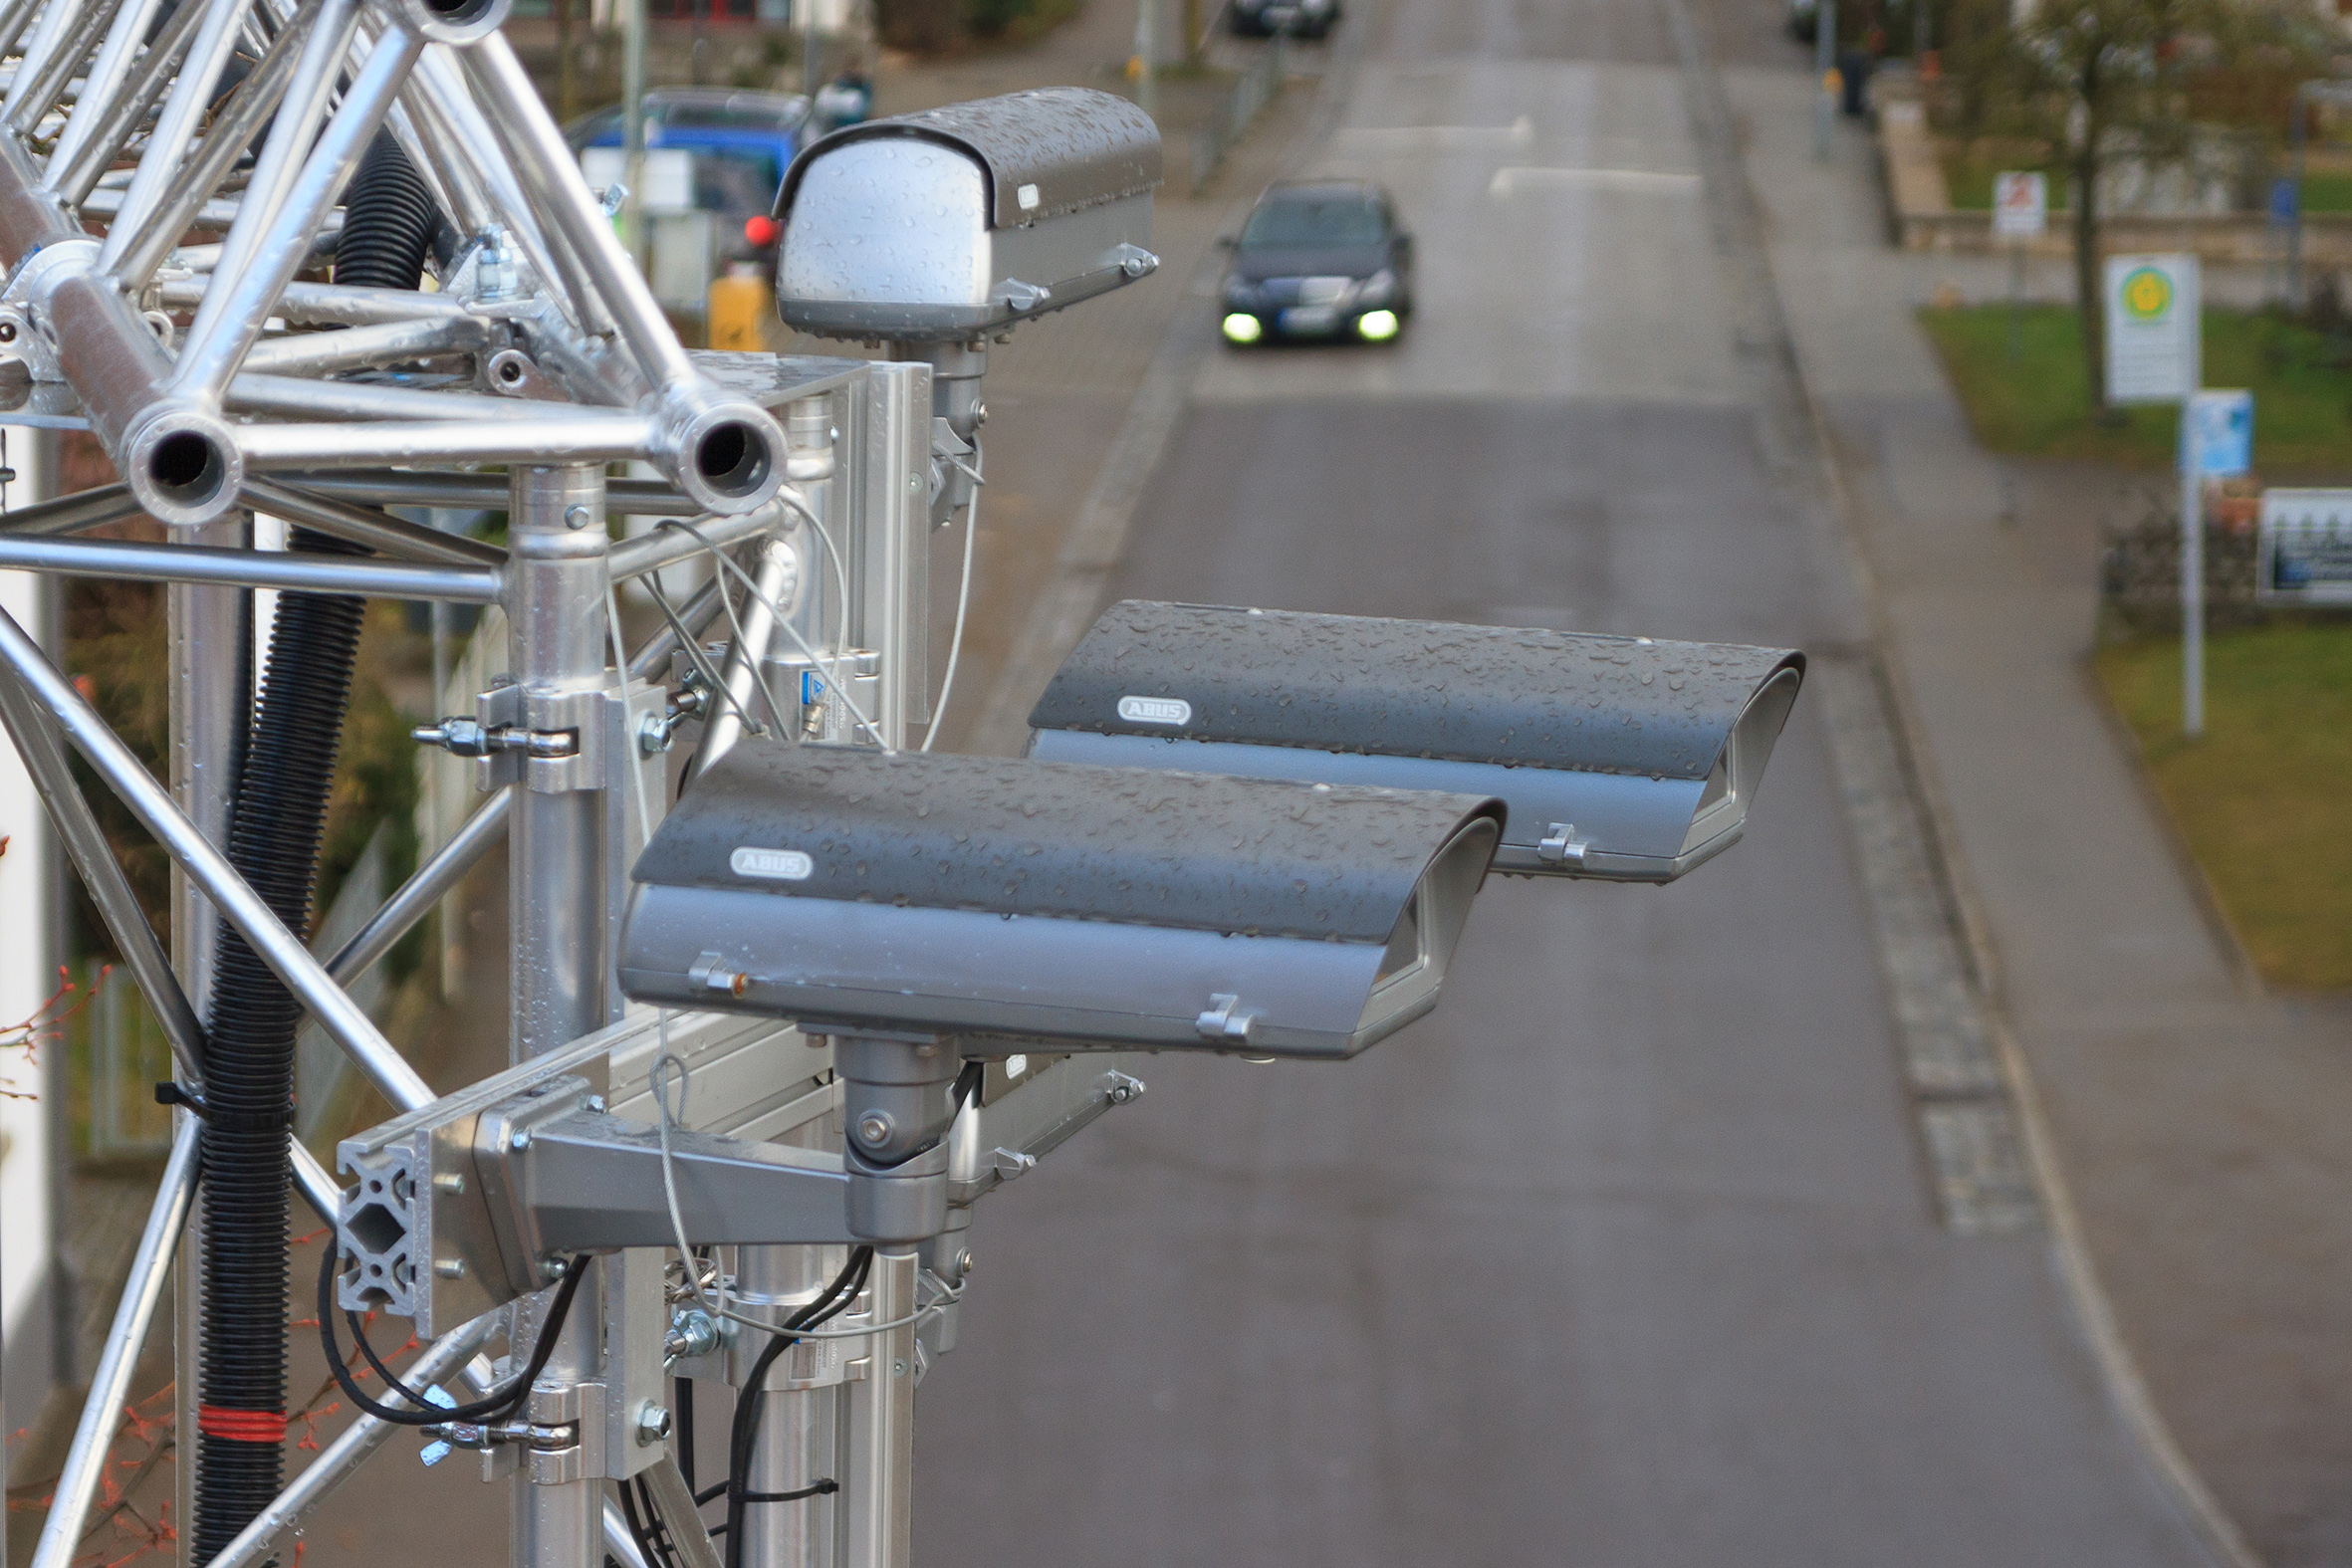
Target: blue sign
(2286, 199)
(2220, 429)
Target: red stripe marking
(242, 1426)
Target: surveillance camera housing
(1027, 203)
(1012, 904)
(1621, 758)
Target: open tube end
(456, 21)
(729, 456)
(185, 468)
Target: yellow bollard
(741, 303)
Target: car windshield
(1335, 220)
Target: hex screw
(653, 1424)
(577, 516)
(873, 1127)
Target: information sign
(2305, 548)
(2222, 433)
(2152, 328)
(2021, 205)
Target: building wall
(29, 961)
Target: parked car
(1324, 259)
(1298, 18)
(741, 142)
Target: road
(1627, 1253)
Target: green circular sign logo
(2147, 294)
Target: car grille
(1305, 290)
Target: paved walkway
(2197, 1124)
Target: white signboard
(2305, 548)
(2152, 329)
(2020, 206)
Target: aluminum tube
(32, 96)
(353, 347)
(313, 1184)
(442, 81)
(556, 850)
(256, 99)
(75, 173)
(107, 73)
(877, 1475)
(109, 354)
(56, 24)
(30, 217)
(422, 155)
(208, 212)
(408, 904)
(417, 119)
(406, 487)
(396, 537)
(184, 111)
(797, 1427)
(331, 305)
(651, 551)
(597, 440)
(251, 568)
(438, 1364)
(721, 730)
(299, 398)
(345, 1022)
(651, 660)
(86, 847)
(86, 509)
(110, 1388)
(209, 357)
(15, 17)
(546, 164)
(562, 1524)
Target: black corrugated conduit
(273, 840)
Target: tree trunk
(2089, 297)
(567, 77)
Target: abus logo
(780, 865)
(1155, 709)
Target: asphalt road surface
(1625, 1256)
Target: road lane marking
(1509, 181)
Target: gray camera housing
(1621, 759)
(1027, 203)
(1013, 904)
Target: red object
(760, 229)
(243, 1425)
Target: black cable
(966, 1089)
(664, 1540)
(683, 1402)
(490, 1406)
(628, 1511)
(747, 1404)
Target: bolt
(873, 1127)
(653, 735)
(449, 1182)
(963, 1261)
(577, 516)
(520, 1139)
(595, 1102)
(7, 332)
(914, 481)
(898, 1369)
(449, 1268)
(653, 1424)
(551, 1268)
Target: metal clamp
(1562, 846)
(1224, 1020)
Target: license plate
(1310, 319)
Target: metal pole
(1147, 94)
(2191, 584)
(779, 563)
(445, 868)
(211, 641)
(2016, 299)
(1824, 62)
(93, 1436)
(557, 874)
(877, 1472)
(797, 1428)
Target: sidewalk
(2199, 1125)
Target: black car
(1320, 259)
(1298, 18)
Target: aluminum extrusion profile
(1002, 901)
(1621, 759)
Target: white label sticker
(780, 865)
(1155, 709)
(1026, 195)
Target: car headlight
(1378, 289)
